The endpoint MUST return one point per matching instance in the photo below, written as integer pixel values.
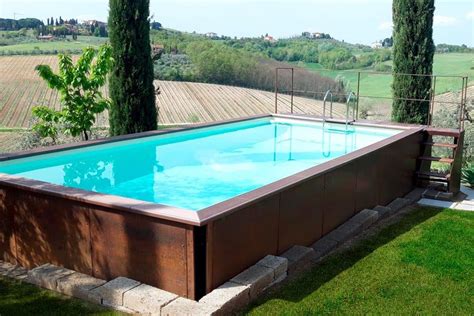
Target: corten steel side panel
(237, 241)
(366, 182)
(301, 214)
(396, 168)
(149, 250)
(339, 196)
(7, 236)
(51, 230)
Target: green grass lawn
(421, 265)
(24, 299)
(67, 44)
(452, 64)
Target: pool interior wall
(107, 238)
(196, 169)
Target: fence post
(358, 93)
(432, 101)
(276, 90)
(292, 87)
(462, 106)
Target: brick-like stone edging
(132, 297)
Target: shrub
(79, 86)
(468, 175)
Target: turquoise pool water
(198, 168)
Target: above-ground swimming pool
(186, 210)
(199, 168)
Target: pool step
(438, 159)
(443, 132)
(450, 179)
(445, 145)
(434, 176)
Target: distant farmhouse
(316, 35)
(376, 45)
(269, 38)
(45, 37)
(386, 43)
(211, 35)
(94, 22)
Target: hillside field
(55, 45)
(379, 85)
(179, 102)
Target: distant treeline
(330, 53)
(201, 60)
(446, 48)
(15, 25)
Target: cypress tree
(413, 53)
(132, 92)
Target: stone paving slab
(464, 206)
(398, 204)
(122, 309)
(414, 195)
(146, 299)
(345, 232)
(383, 211)
(257, 277)
(297, 256)
(436, 203)
(79, 285)
(278, 264)
(5, 267)
(47, 275)
(365, 218)
(111, 293)
(186, 307)
(323, 246)
(228, 297)
(18, 273)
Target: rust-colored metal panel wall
(37, 228)
(366, 182)
(239, 240)
(396, 166)
(148, 250)
(306, 211)
(339, 196)
(7, 236)
(50, 230)
(301, 214)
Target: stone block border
(133, 297)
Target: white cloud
(442, 20)
(386, 26)
(470, 15)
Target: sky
(354, 21)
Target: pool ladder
(351, 97)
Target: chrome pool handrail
(328, 93)
(348, 102)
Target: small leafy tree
(79, 87)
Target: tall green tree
(412, 54)
(132, 91)
(79, 86)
